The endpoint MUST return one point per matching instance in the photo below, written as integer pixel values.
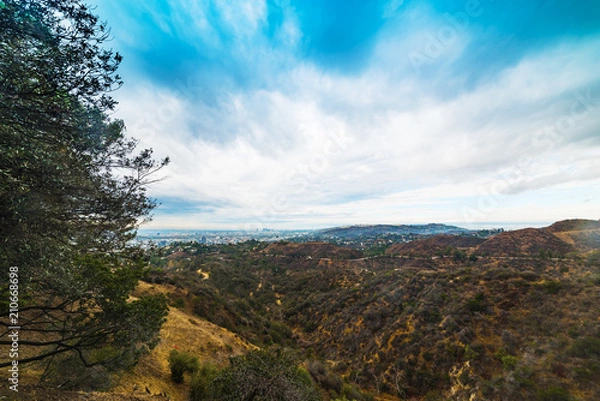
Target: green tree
(72, 190)
(265, 375)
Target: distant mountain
(353, 232)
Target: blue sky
(301, 114)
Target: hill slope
(184, 332)
(582, 234)
(311, 249)
(525, 242)
(434, 245)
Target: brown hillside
(528, 241)
(149, 380)
(583, 234)
(184, 332)
(37, 393)
(434, 245)
(574, 225)
(312, 249)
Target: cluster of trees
(72, 191)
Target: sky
(295, 114)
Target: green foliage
(201, 381)
(376, 250)
(178, 303)
(470, 353)
(181, 363)
(594, 258)
(267, 375)
(553, 393)
(585, 347)
(477, 303)
(551, 286)
(459, 254)
(72, 191)
(509, 362)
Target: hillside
(514, 324)
(184, 332)
(312, 250)
(574, 225)
(485, 328)
(583, 234)
(525, 242)
(150, 380)
(434, 245)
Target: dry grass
(186, 333)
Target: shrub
(477, 303)
(268, 375)
(509, 362)
(594, 258)
(585, 347)
(178, 303)
(200, 385)
(552, 286)
(181, 363)
(553, 393)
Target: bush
(509, 362)
(268, 375)
(200, 385)
(586, 347)
(553, 393)
(181, 363)
(551, 286)
(178, 303)
(477, 303)
(594, 258)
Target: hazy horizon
(475, 226)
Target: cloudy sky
(315, 113)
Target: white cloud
(320, 148)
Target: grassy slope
(184, 332)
